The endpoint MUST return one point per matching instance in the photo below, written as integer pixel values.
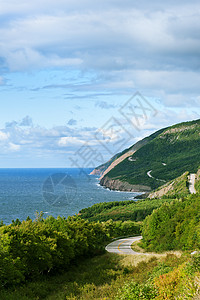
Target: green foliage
(136, 291)
(177, 284)
(119, 228)
(46, 246)
(196, 262)
(170, 279)
(160, 269)
(1, 223)
(174, 225)
(176, 146)
(153, 287)
(29, 249)
(121, 210)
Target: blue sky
(67, 68)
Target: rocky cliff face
(116, 184)
(162, 191)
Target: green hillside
(175, 225)
(168, 154)
(121, 210)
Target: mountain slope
(159, 158)
(103, 169)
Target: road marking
(114, 247)
(120, 245)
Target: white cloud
(67, 141)
(131, 46)
(63, 142)
(14, 147)
(3, 136)
(114, 38)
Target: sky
(83, 80)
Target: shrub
(136, 291)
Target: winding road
(149, 174)
(123, 246)
(192, 178)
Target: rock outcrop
(117, 185)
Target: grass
(94, 278)
(136, 246)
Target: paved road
(123, 246)
(149, 174)
(191, 183)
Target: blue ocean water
(56, 192)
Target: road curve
(123, 246)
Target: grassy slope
(177, 147)
(100, 277)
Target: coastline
(137, 196)
(116, 184)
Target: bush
(196, 262)
(136, 291)
(118, 228)
(31, 248)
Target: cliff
(116, 184)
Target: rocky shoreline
(117, 185)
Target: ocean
(64, 192)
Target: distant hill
(155, 160)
